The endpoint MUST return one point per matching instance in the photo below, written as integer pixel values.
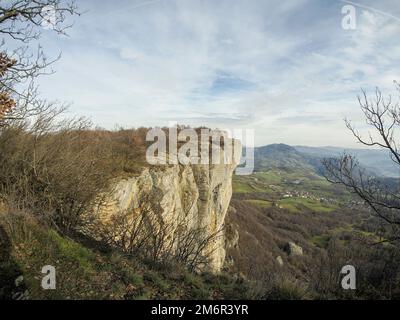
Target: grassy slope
(84, 271)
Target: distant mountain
(287, 157)
(280, 156)
(375, 160)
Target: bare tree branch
(384, 117)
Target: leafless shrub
(377, 271)
(145, 233)
(52, 167)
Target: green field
(260, 203)
(313, 205)
(304, 187)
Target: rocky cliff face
(198, 195)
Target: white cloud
(146, 63)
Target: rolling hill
(287, 157)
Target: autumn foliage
(7, 103)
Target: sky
(287, 69)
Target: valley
(290, 202)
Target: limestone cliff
(197, 194)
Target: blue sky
(284, 68)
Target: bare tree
(55, 170)
(144, 232)
(383, 116)
(21, 24)
(20, 18)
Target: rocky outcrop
(279, 260)
(231, 233)
(293, 249)
(199, 195)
